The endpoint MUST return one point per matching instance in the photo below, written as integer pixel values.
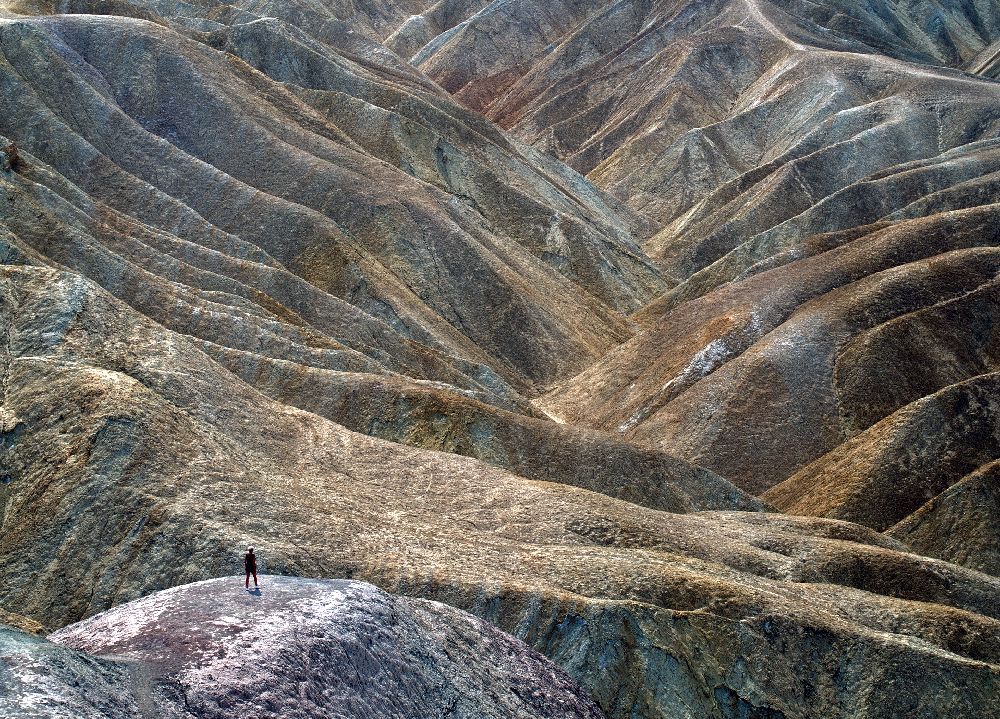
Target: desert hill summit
(660, 335)
(302, 649)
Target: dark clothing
(250, 566)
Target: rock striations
(538, 309)
(135, 462)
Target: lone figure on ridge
(250, 566)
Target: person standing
(250, 566)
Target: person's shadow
(255, 591)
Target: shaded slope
(289, 358)
(986, 63)
(347, 247)
(960, 524)
(925, 474)
(41, 679)
(495, 54)
(496, 43)
(817, 189)
(424, 416)
(762, 376)
(300, 191)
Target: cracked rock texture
(298, 648)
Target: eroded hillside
(537, 309)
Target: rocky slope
(40, 679)
(308, 288)
(824, 179)
(986, 63)
(926, 474)
(135, 462)
(297, 648)
(268, 272)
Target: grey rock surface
(295, 648)
(42, 680)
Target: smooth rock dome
(297, 648)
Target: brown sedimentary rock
(188, 466)
(778, 277)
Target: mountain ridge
(599, 332)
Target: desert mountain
(538, 309)
(285, 265)
(135, 462)
(825, 185)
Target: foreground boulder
(296, 648)
(41, 679)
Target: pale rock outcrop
(299, 649)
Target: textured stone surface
(778, 277)
(41, 680)
(296, 648)
(22, 623)
(137, 463)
